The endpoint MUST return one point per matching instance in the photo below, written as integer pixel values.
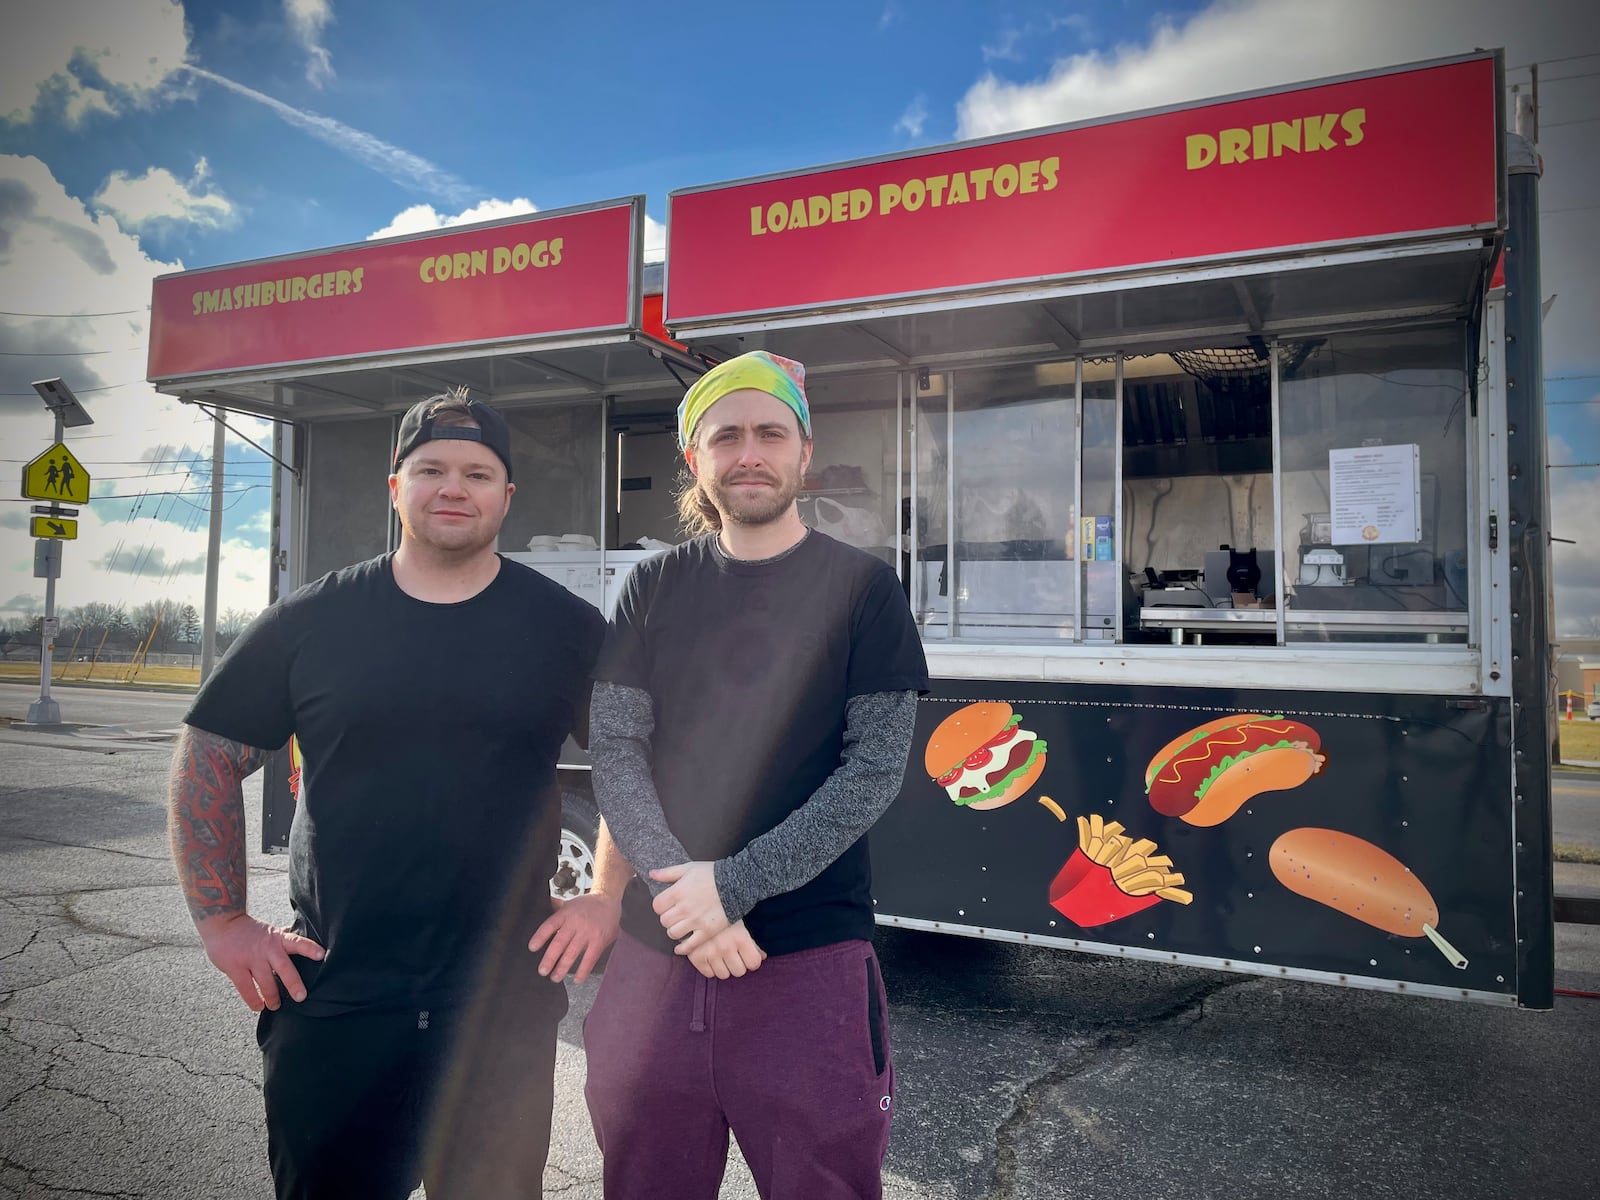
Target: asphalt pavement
(128, 1067)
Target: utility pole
(208, 636)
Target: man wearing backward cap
(411, 1037)
(752, 715)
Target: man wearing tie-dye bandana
(752, 716)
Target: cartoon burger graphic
(982, 757)
(1205, 775)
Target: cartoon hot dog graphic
(1361, 880)
(1205, 775)
(982, 757)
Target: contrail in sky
(399, 165)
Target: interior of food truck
(1248, 459)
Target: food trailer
(1197, 437)
(554, 316)
(1207, 443)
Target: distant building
(1578, 667)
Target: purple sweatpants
(793, 1058)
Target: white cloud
(1238, 45)
(655, 240)
(97, 56)
(1005, 47)
(401, 166)
(420, 218)
(56, 256)
(1241, 45)
(307, 20)
(159, 197)
(913, 120)
(1574, 503)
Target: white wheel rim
(574, 867)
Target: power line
(205, 491)
(1564, 78)
(121, 312)
(66, 353)
(83, 391)
(1565, 58)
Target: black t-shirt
(426, 828)
(750, 666)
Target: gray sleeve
(621, 720)
(877, 740)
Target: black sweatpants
(369, 1103)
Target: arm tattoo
(205, 820)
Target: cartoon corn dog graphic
(1360, 880)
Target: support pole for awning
(1532, 694)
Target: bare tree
(230, 625)
(159, 616)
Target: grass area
(102, 673)
(1580, 737)
(1570, 852)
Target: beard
(740, 507)
(458, 540)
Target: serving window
(1246, 494)
(1375, 489)
(996, 512)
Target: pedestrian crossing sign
(56, 475)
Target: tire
(580, 826)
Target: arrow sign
(53, 527)
(56, 475)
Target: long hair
(696, 513)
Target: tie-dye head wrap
(758, 370)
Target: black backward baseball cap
(418, 427)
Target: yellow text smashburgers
(982, 757)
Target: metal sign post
(55, 475)
(44, 710)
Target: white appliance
(1321, 566)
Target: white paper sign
(1375, 493)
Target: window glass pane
(1098, 547)
(555, 460)
(1197, 502)
(347, 466)
(851, 491)
(1014, 437)
(931, 458)
(1374, 443)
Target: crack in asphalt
(28, 987)
(31, 1174)
(572, 1180)
(77, 1038)
(31, 837)
(45, 1085)
(1085, 1050)
(22, 949)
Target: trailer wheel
(580, 826)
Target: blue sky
(142, 136)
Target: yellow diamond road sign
(56, 475)
(53, 527)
